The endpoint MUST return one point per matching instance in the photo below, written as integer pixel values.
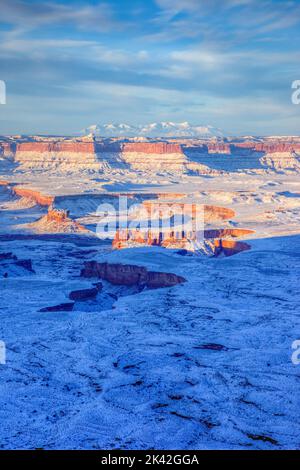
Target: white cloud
(26, 15)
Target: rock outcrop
(26, 264)
(285, 161)
(65, 307)
(66, 155)
(32, 195)
(9, 262)
(57, 221)
(84, 294)
(7, 149)
(156, 156)
(159, 148)
(130, 275)
(268, 147)
(216, 213)
(230, 247)
(55, 147)
(6, 256)
(227, 232)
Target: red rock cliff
(48, 147)
(130, 275)
(268, 147)
(148, 147)
(39, 198)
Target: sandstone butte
(61, 217)
(49, 147)
(57, 221)
(130, 275)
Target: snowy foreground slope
(206, 364)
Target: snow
(154, 129)
(140, 374)
(206, 364)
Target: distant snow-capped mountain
(155, 129)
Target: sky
(226, 63)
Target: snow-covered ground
(206, 364)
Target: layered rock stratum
(178, 155)
(130, 275)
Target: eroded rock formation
(269, 147)
(159, 148)
(230, 247)
(65, 307)
(67, 155)
(227, 232)
(130, 275)
(57, 221)
(9, 261)
(84, 294)
(36, 196)
(55, 147)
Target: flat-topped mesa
(160, 156)
(159, 148)
(130, 275)
(53, 147)
(268, 147)
(62, 153)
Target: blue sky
(70, 64)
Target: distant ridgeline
(172, 155)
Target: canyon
(150, 317)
